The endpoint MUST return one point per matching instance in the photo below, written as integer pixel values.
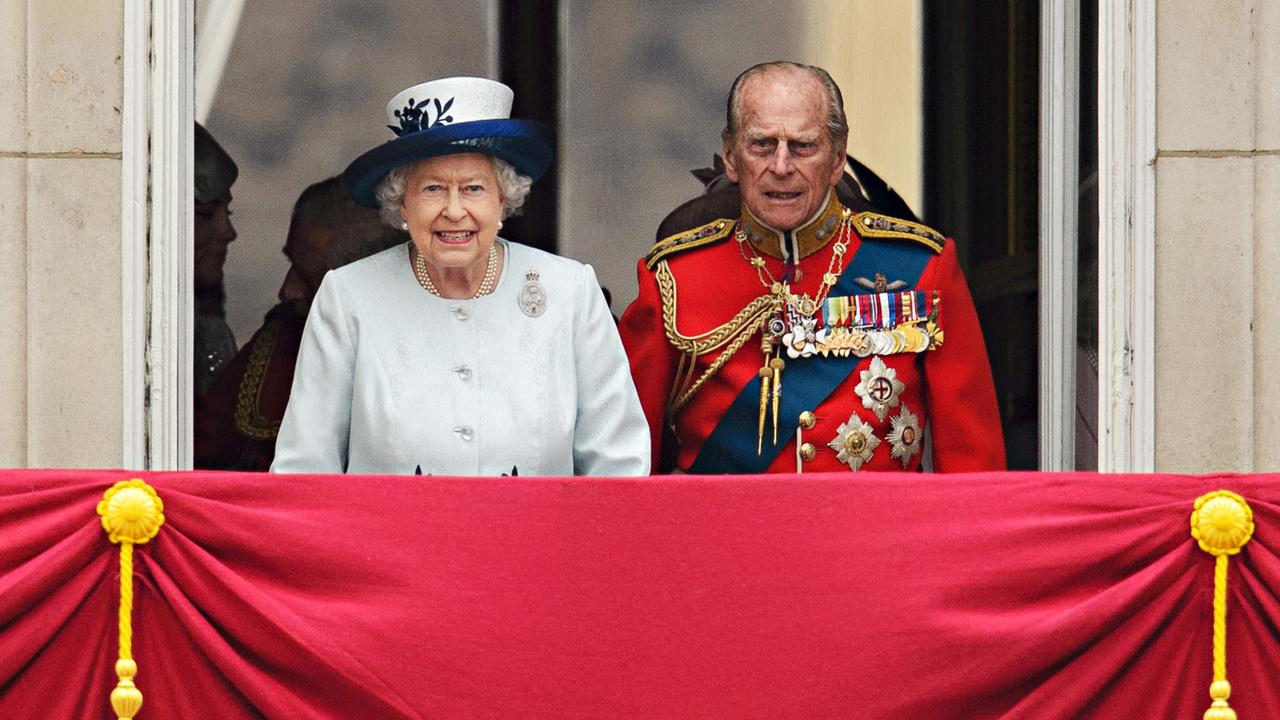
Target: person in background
(459, 353)
(215, 172)
(237, 420)
(797, 335)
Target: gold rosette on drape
(132, 514)
(1222, 522)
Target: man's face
(781, 156)
(307, 249)
(213, 233)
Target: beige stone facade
(1217, 218)
(60, 247)
(1217, 224)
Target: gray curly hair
(390, 190)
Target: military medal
(804, 339)
(879, 388)
(854, 442)
(533, 297)
(904, 435)
(885, 323)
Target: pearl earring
(499, 224)
(404, 225)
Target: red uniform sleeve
(653, 363)
(964, 416)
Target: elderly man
(237, 421)
(800, 336)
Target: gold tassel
(132, 514)
(1221, 523)
(765, 374)
(766, 349)
(776, 364)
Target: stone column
(60, 297)
(1218, 236)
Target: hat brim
(527, 145)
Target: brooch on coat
(533, 297)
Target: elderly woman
(459, 353)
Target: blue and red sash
(731, 446)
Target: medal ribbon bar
(878, 311)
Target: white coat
(392, 379)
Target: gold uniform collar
(805, 240)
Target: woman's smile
(455, 237)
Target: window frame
(1126, 233)
(156, 233)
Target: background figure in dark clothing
(214, 173)
(237, 420)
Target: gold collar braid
(809, 237)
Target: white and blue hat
(448, 116)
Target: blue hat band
(527, 145)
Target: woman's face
(213, 233)
(453, 206)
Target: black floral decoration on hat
(414, 117)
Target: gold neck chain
(487, 284)
(784, 323)
(804, 304)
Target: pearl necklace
(487, 284)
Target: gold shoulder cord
(731, 336)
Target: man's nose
(781, 164)
(292, 288)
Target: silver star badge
(854, 442)
(904, 435)
(879, 388)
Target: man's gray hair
(837, 123)
(390, 191)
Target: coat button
(464, 372)
(461, 313)
(808, 452)
(808, 420)
(465, 432)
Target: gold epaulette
(875, 225)
(714, 231)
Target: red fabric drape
(873, 596)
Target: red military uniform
(701, 297)
(237, 420)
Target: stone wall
(60, 296)
(1218, 236)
